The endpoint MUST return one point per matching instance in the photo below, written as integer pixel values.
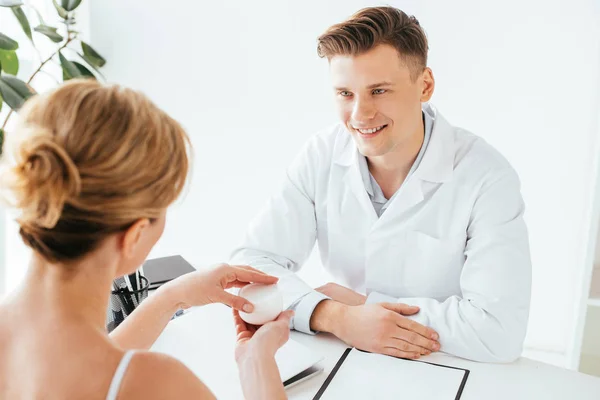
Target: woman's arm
(255, 356)
(141, 329)
(260, 377)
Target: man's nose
(363, 110)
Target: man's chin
(370, 151)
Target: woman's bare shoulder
(159, 376)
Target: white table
(524, 379)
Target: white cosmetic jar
(267, 301)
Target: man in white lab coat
(419, 222)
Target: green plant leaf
(61, 11)
(70, 70)
(1, 102)
(20, 14)
(49, 32)
(14, 91)
(9, 61)
(91, 65)
(10, 3)
(1, 140)
(92, 55)
(70, 5)
(7, 43)
(85, 72)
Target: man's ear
(133, 236)
(428, 85)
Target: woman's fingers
(249, 268)
(282, 323)
(242, 329)
(285, 316)
(249, 275)
(236, 302)
(240, 325)
(237, 284)
(276, 333)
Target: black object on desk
(164, 269)
(123, 300)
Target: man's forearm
(328, 316)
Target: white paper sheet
(379, 377)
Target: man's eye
(378, 91)
(344, 93)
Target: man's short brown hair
(373, 26)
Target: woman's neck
(77, 292)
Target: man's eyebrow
(379, 84)
(372, 86)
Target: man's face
(377, 100)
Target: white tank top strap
(115, 385)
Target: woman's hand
(255, 356)
(208, 286)
(265, 340)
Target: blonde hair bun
(43, 178)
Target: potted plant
(76, 57)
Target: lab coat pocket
(433, 265)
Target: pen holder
(122, 303)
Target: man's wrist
(329, 316)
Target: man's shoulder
(473, 155)
(473, 151)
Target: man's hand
(377, 328)
(342, 294)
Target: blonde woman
(92, 170)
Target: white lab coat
(453, 240)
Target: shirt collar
(437, 164)
(371, 185)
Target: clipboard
(347, 376)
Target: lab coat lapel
(353, 180)
(409, 194)
(353, 183)
(436, 166)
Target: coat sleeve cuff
(304, 310)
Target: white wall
(14, 255)
(244, 79)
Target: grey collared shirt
(380, 203)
